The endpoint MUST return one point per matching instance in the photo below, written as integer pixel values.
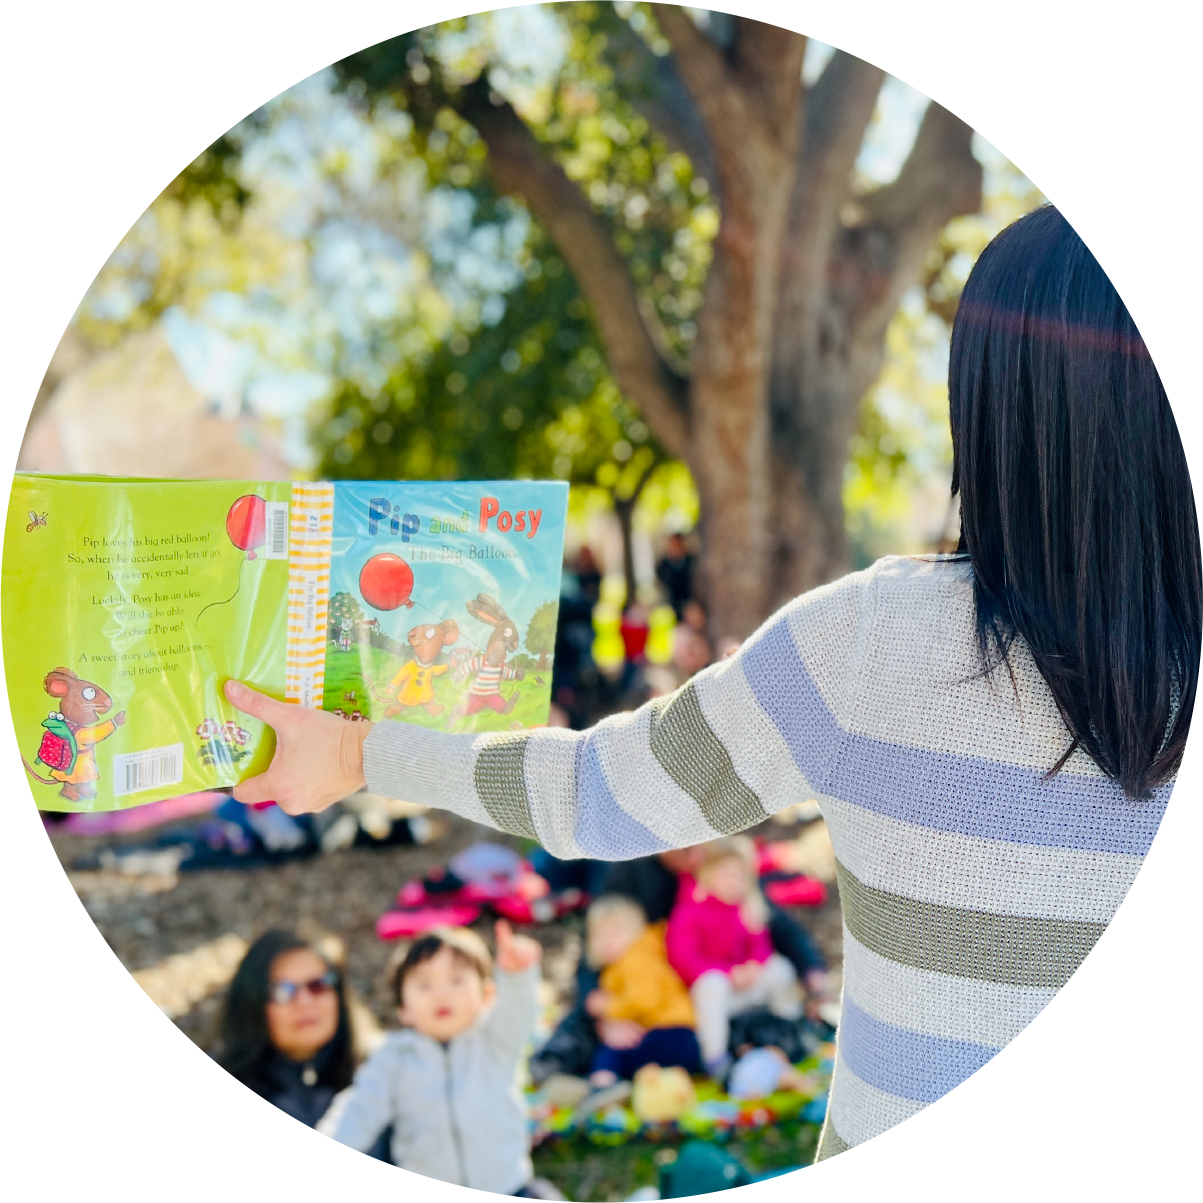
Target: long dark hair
(246, 1046)
(1076, 504)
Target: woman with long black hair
(286, 1029)
(285, 1026)
(992, 735)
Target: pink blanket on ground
(138, 818)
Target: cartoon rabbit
(68, 746)
(414, 683)
(490, 667)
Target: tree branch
(750, 90)
(768, 62)
(654, 87)
(637, 491)
(519, 165)
(702, 64)
(896, 225)
(838, 111)
(940, 180)
(881, 253)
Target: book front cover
(443, 602)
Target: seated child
(718, 941)
(447, 1083)
(641, 1006)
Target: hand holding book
(318, 758)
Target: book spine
(310, 529)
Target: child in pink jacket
(718, 941)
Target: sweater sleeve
(511, 1023)
(361, 1112)
(742, 740)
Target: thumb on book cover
(251, 701)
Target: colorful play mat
(714, 1117)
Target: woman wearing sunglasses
(286, 1030)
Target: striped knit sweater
(971, 885)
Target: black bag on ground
(760, 1028)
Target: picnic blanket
(491, 876)
(482, 875)
(714, 1117)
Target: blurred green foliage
(350, 230)
(529, 396)
(212, 177)
(656, 209)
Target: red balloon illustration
(246, 523)
(386, 581)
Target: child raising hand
(515, 954)
(447, 1082)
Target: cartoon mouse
(490, 667)
(68, 747)
(414, 683)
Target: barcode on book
(276, 530)
(134, 772)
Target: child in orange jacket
(642, 1007)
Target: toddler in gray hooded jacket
(448, 1081)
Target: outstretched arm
(512, 1021)
(742, 740)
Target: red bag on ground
(400, 925)
(525, 907)
(795, 891)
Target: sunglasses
(285, 992)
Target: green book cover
(127, 604)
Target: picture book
(127, 604)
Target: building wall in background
(131, 411)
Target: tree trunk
(748, 95)
(805, 276)
(729, 453)
(848, 262)
(624, 510)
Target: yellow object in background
(613, 592)
(662, 1095)
(608, 650)
(662, 623)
